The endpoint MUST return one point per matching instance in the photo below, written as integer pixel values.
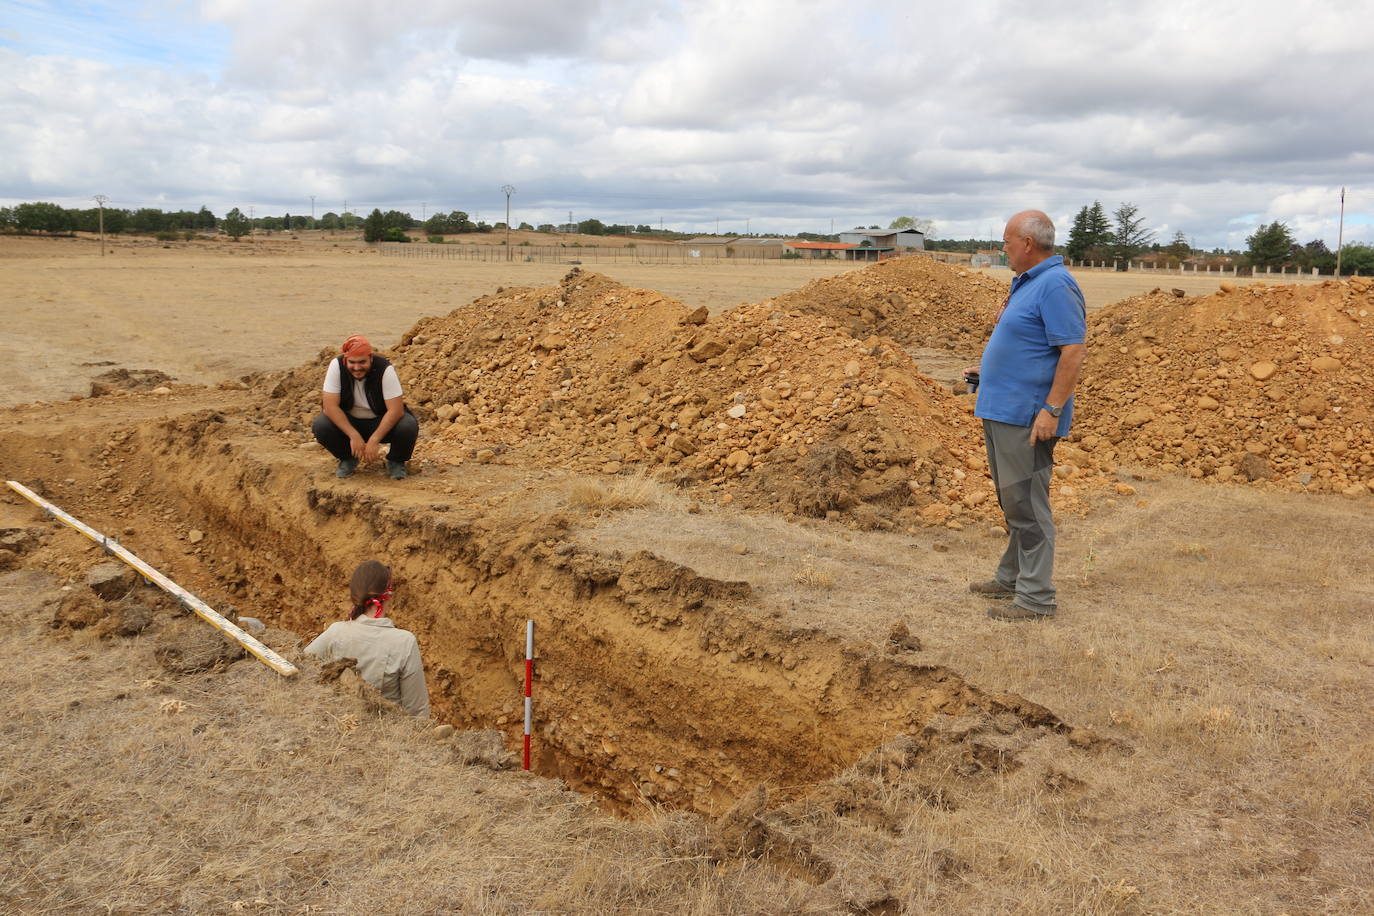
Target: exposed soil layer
(1265, 385)
(653, 682)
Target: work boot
(991, 589)
(1017, 613)
(397, 469)
(347, 467)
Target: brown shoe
(991, 589)
(1017, 612)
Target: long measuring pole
(529, 684)
(188, 600)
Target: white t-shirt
(391, 388)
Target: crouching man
(364, 408)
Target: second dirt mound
(1262, 384)
(915, 301)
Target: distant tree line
(1094, 237)
(51, 218)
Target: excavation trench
(653, 683)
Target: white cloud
(785, 113)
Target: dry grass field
(205, 311)
(738, 712)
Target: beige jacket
(388, 658)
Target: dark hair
(369, 581)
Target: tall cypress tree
(1078, 244)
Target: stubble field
(740, 710)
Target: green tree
(395, 219)
(235, 224)
(6, 218)
(331, 221)
(1313, 254)
(1179, 248)
(205, 220)
(1091, 235)
(178, 219)
(1130, 236)
(1270, 246)
(147, 220)
(1099, 229)
(1356, 257)
(116, 220)
(525, 227)
(1076, 249)
(42, 217)
(374, 227)
(591, 227)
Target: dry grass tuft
(637, 491)
(810, 573)
(1193, 550)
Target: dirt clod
(193, 646)
(127, 380)
(483, 747)
(111, 581)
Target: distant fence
(557, 254)
(1202, 270)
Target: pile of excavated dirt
(1263, 384)
(915, 301)
(767, 405)
(122, 379)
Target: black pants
(401, 438)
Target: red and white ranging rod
(529, 684)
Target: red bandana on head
(356, 346)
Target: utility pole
(100, 202)
(571, 227)
(746, 225)
(312, 211)
(508, 190)
(1340, 236)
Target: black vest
(372, 386)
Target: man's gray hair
(1040, 230)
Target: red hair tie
(382, 599)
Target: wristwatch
(1054, 411)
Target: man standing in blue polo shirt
(1025, 400)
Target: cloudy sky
(775, 117)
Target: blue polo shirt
(1045, 312)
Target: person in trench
(364, 407)
(388, 657)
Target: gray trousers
(1021, 474)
